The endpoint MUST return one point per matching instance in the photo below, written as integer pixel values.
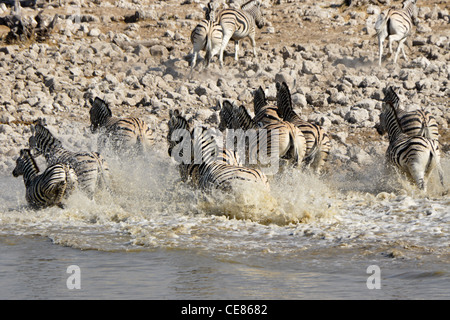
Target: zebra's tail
(381, 23)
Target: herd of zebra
(213, 33)
(210, 161)
(242, 147)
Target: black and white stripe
(48, 188)
(318, 143)
(238, 24)
(125, 135)
(207, 35)
(270, 134)
(413, 123)
(210, 165)
(91, 169)
(396, 25)
(415, 156)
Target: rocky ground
(139, 63)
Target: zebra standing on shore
(238, 24)
(318, 142)
(90, 167)
(126, 135)
(416, 156)
(48, 188)
(207, 35)
(396, 25)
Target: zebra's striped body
(47, 189)
(396, 25)
(416, 156)
(91, 169)
(318, 143)
(207, 35)
(238, 24)
(413, 123)
(125, 136)
(209, 167)
(270, 134)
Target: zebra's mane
(26, 155)
(41, 131)
(391, 99)
(284, 102)
(259, 100)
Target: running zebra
(91, 169)
(209, 166)
(318, 143)
(126, 136)
(396, 25)
(207, 35)
(238, 24)
(265, 137)
(48, 188)
(415, 123)
(416, 156)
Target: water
(309, 238)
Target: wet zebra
(126, 136)
(47, 189)
(91, 169)
(209, 165)
(207, 35)
(265, 137)
(318, 143)
(416, 156)
(415, 123)
(238, 24)
(396, 25)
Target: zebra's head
(99, 113)
(389, 121)
(410, 7)
(42, 141)
(226, 115)
(178, 130)
(24, 161)
(254, 8)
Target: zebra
(264, 112)
(90, 167)
(47, 189)
(396, 25)
(207, 35)
(414, 123)
(209, 167)
(318, 142)
(125, 135)
(416, 156)
(289, 140)
(238, 24)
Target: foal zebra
(238, 24)
(91, 169)
(396, 25)
(209, 166)
(416, 156)
(124, 135)
(47, 189)
(207, 35)
(318, 142)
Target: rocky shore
(135, 55)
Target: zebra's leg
(226, 38)
(380, 49)
(236, 49)
(403, 51)
(400, 47)
(252, 39)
